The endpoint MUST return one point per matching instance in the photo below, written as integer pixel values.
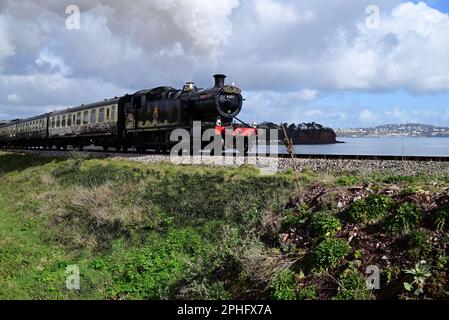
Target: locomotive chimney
(219, 80)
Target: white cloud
(410, 50)
(271, 13)
(397, 113)
(367, 115)
(286, 54)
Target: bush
(370, 209)
(283, 286)
(323, 224)
(405, 217)
(442, 217)
(329, 253)
(419, 244)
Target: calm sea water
(438, 147)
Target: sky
(342, 63)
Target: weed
(442, 217)
(410, 190)
(420, 273)
(370, 209)
(404, 218)
(347, 180)
(324, 225)
(353, 287)
(307, 293)
(419, 244)
(329, 253)
(291, 219)
(283, 286)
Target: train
(141, 121)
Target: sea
(387, 146)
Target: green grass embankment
(160, 231)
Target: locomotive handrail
(244, 123)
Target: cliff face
(305, 133)
(323, 136)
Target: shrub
(370, 209)
(323, 224)
(329, 253)
(283, 286)
(419, 244)
(405, 217)
(353, 287)
(442, 217)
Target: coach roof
(86, 107)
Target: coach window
(63, 120)
(85, 117)
(107, 114)
(69, 120)
(58, 121)
(53, 122)
(74, 119)
(101, 115)
(93, 116)
(113, 113)
(78, 118)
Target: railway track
(135, 153)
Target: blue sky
(344, 66)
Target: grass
(135, 231)
(161, 231)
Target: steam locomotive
(143, 120)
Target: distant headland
(304, 133)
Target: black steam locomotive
(144, 120)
